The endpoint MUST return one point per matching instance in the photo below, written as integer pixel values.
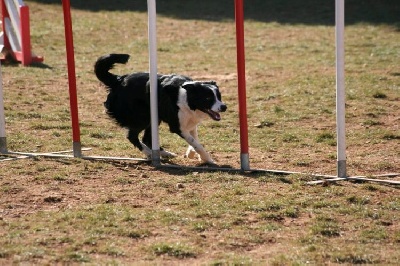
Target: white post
(151, 10)
(340, 90)
(3, 143)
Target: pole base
(244, 162)
(77, 149)
(3, 145)
(341, 169)
(155, 157)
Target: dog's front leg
(190, 152)
(197, 147)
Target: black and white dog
(182, 103)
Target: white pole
(3, 143)
(340, 90)
(151, 10)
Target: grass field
(72, 211)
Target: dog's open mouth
(214, 115)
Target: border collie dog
(182, 103)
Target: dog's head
(205, 96)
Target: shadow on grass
(310, 12)
(171, 168)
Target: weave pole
(16, 31)
(152, 28)
(69, 44)
(241, 72)
(340, 90)
(3, 142)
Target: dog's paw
(190, 153)
(212, 164)
(147, 154)
(208, 161)
(167, 154)
(146, 150)
(209, 164)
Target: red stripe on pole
(69, 43)
(239, 18)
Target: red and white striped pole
(244, 144)
(69, 43)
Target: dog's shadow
(169, 167)
(172, 168)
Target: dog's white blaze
(218, 104)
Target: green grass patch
(327, 227)
(177, 250)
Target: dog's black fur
(182, 104)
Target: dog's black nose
(223, 108)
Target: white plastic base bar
(60, 154)
(326, 178)
(25, 155)
(361, 178)
(114, 158)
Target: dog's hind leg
(148, 141)
(133, 136)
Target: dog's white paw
(167, 154)
(210, 162)
(206, 158)
(146, 150)
(147, 153)
(190, 153)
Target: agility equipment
(16, 31)
(241, 74)
(340, 90)
(152, 31)
(69, 45)
(244, 152)
(76, 145)
(3, 142)
(73, 98)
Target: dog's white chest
(189, 119)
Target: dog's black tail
(104, 64)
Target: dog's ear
(198, 83)
(210, 82)
(188, 85)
